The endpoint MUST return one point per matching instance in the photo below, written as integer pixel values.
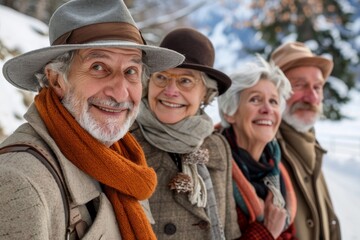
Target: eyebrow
(260, 92)
(100, 54)
(94, 54)
(185, 74)
(301, 78)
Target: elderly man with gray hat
(73, 171)
(302, 154)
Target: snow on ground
(344, 188)
(342, 139)
(341, 166)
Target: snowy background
(342, 139)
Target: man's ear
(56, 82)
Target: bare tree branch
(170, 17)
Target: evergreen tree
(324, 22)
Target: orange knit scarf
(122, 168)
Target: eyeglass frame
(177, 79)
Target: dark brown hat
(199, 54)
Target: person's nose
(171, 90)
(117, 88)
(265, 108)
(312, 96)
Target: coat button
(307, 179)
(170, 229)
(310, 223)
(203, 224)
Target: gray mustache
(111, 103)
(304, 106)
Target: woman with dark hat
(193, 198)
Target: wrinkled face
(102, 91)
(175, 94)
(304, 107)
(257, 118)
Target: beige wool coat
(302, 156)
(31, 205)
(175, 217)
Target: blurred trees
(40, 9)
(155, 17)
(325, 25)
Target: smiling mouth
(264, 122)
(111, 110)
(172, 105)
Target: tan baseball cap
(297, 54)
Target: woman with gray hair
(250, 113)
(194, 195)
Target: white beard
(300, 125)
(106, 133)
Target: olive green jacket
(302, 156)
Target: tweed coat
(31, 203)
(175, 217)
(315, 216)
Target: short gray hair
(249, 76)
(62, 63)
(211, 89)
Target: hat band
(101, 31)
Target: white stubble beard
(296, 122)
(113, 132)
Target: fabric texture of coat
(30, 193)
(175, 217)
(302, 156)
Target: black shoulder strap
(57, 176)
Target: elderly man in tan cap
(301, 153)
(73, 171)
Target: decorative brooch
(182, 182)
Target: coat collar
(303, 145)
(82, 187)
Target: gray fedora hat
(80, 24)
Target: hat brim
(324, 64)
(223, 81)
(20, 71)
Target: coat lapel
(82, 188)
(183, 200)
(157, 158)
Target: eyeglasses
(183, 82)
